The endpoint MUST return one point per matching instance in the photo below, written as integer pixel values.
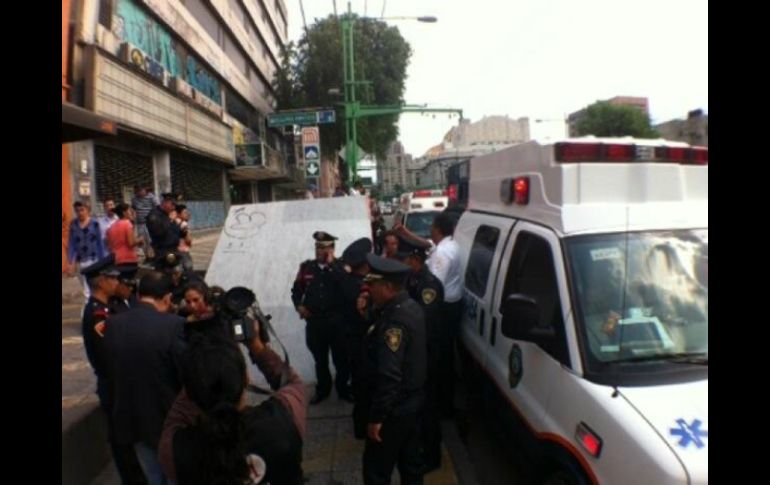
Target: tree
(312, 67)
(605, 119)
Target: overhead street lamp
(353, 108)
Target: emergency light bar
(569, 152)
(429, 193)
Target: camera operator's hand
(304, 313)
(256, 345)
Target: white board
(261, 247)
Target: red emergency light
(515, 190)
(589, 440)
(452, 192)
(570, 152)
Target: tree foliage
(610, 120)
(313, 66)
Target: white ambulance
(417, 210)
(585, 265)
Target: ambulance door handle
(493, 332)
(481, 323)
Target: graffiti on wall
(132, 24)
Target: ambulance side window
(532, 273)
(480, 259)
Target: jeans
(148, 459)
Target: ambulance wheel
(565, 474)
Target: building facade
(465, 141)
(392, 172)
(188, 84)
(693, 130)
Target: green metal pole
(351, 142)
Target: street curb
(461, 461)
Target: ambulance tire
(563, 470)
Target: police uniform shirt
(95, 313)
(428, 292)
(396, 359)
(317, 287)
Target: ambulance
(585, 320)
(417, 210)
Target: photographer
(212, 436)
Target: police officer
(395, 350)
(317, 296)
(125, 293)
(164, 233)
(424, 288)
(356, 267)
(102, 277)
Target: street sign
(311, 153)
(286, 118)
(311, 169)
(311, 150)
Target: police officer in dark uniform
(102, 277)
(125, 294)
(395, 350)
(356, 267)
(318, 298)
(427, 290)
(164, 233)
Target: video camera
(238, 309)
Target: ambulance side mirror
(521, 317)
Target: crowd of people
(172, 380)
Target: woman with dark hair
(121, 239)
(211, 436)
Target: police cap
(355, 254)
(385, 269)
(105, 266)
(323, 239)
(412, 247)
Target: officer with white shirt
(444, 263)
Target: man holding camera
(318, 298)
(395, 367)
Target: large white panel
(262, 245)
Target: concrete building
(188, 84)
(465, 141)
(392, 172)
(694, 130)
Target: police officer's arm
(390, 354)
(298, 288)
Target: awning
(81, 124)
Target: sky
(540, 59)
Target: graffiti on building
(132, 24)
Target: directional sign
(302, 118)
(311, 169)
(311, 150)
(311, 153)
